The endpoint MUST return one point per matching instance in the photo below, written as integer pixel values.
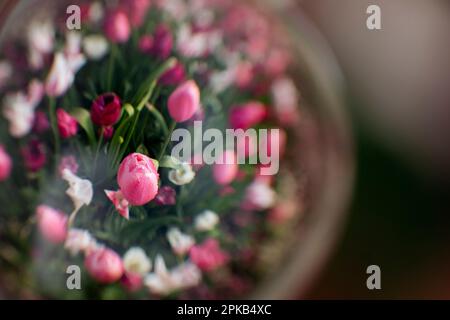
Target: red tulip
(106, 110)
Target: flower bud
(184, 101)
(138, 179)
(52, 224)
(117, 26)
(67, 125)
(104, 265)
(34, 155)
(166, 196)
(208, 256)
(106, 110)
(162, 42)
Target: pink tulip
(146, 43)
(136, 10)
(34, 155)
(166, 196)
(104, 265)
(138, 179)
(224, 173)
(173, 76)
(117, 26)
(52, 224)
(162, 42)
(106, 110)
(67, 125)
(184, 101)
(247, 115)
(208, 256)
(5, 164)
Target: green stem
(155, 112)
(166, 142)
(54, 124)
(97, 151)
(111, 68)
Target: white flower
(136, 261)
(80, 190)
(79, 240)
(197, 44)
(18, 110)
(72, 51)
(259, 196)
(95, 46)
(206, 221)
(180, 242)
(163, 281)
(41, 38)
(182, 175)
(60, 77)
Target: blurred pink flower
(162, 42)
(136, 10)
(208, 256)
(138, 179)
(106, 109)
(117, 26)
(41, 123)
(166, 196)
(146, 43)
(68, 162)
(67, 125)
(184, 101)
(104, 265)
(5, 164)
(52, 223)
(120, 203)
(34, 155)
(247, 115)
(173, 76)
(225, 172)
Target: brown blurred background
(399, 92)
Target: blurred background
(399, 91)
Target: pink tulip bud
(208, 256)
(52, 224)
(106, 110)
(117, 26)
(104, 265)
(173, 76)
(162, 42)
(67, 125)
(184, 101)
(5, 164)
(34, 155)
(166, 196)
(226, 171)
(136, 10)
(108, 133)
(247, 115)
(138, 179)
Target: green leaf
(84, 119)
